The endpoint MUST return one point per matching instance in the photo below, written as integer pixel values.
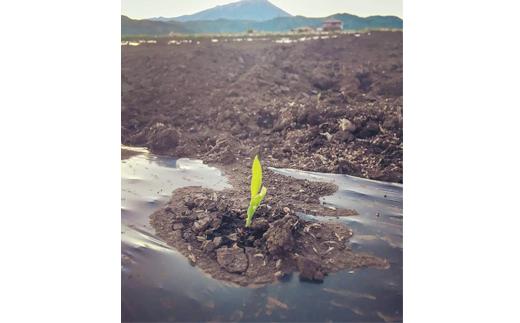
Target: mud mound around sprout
(208, 227)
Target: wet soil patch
(208, 227)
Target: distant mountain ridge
(148, 27)
(255, 10)
(244, 15)
(281, 24)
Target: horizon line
(338, 13)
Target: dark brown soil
(208, 227)
(332, 105)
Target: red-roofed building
(332, 25)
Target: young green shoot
(257, 194)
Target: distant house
(304, 30)
(332, 25)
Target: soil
(330, 105)
(208, 227)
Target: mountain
(279, 24)
(255, 10)
(244, 15)
(151, 28)
(353, 22)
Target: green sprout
(257, 195)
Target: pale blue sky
(310, 8)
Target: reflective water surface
(159, 284)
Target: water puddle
(159, 284)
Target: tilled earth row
(330, 105)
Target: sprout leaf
(257, 195)
(256, 179)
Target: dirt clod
(309, 269)
(233, 260)
(279, 237)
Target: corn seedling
(257, 194)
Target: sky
(139, 9)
